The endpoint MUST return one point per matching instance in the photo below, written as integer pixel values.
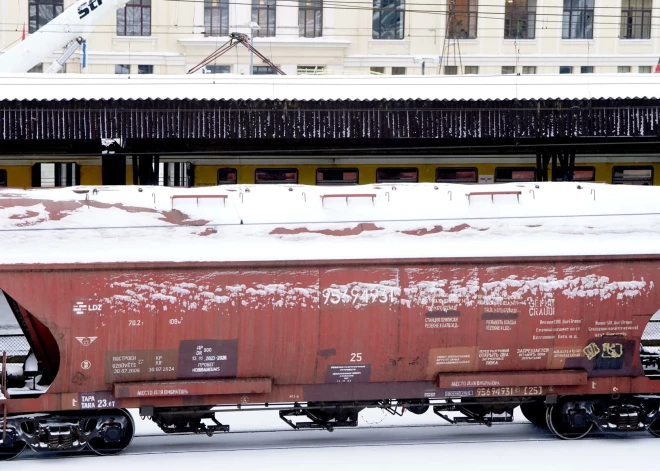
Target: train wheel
(559, 424)
(112, 440)
(535, 413)
(10, 452)
(654, 428)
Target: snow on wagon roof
(240, 87)
(296, 222)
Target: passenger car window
(336, 176)
(632, 176)
(396, 175)
(227, 176)
(515, 174)
(276, 175)
(456, 175)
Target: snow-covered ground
(297, 222)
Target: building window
(580, 174)
(263, 13)
(632, 176)
(397, 175)
(216, 17)
(565, 69)
(645, 69)
(388, 19)
(519, 19)
(310, 70)
(134, 19)
(227, 176)
(462, 21)
(145, 69)
(50, 175)
(377, 70)
(508, 69)
(398, 71)
(515, 174)
(451, 70)
(310, 18)
(578, 20)
(43, 11)
(471, 70)
(37, 69)
(336, 176)
(217, 69)
(3, 177)
(636, 19)
(122, 69)
(174, 174)
(623, 69)
(587, 69)
(276, 175)
(456, 175)
(263, 70)
(529, 70)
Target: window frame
(141, 6)
(226, 182)
(508, 67)
(471, 12)
(513, 169)
(310, 7)
(589, 69)
(213, 9)
(450, 70)
(380, 12)
(127, 67)
(518, 13)
(269, 9)
(277, 182)
(473, 68)
(628, 27)
(310, 70)
(399, 70)
(578, 168)
(573, 15)
(151, 70)
(271, 69)
(456, 170)
(36, 4)
(338, 183)
(399, 169)
(529, 68)
(223, 66)
(4, 179)
(633, 167)
(568, 67)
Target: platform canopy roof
(42, 87)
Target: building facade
(361, 36)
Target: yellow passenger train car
(638, 170)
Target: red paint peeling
(209, 231)
(438, 229)
(58, 210)
(359, 229)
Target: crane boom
(77, 21)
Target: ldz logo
(86, 8)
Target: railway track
(369, 437)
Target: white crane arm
(79, 20)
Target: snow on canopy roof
(240, 87)
(250, 223)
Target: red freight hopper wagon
(322, 301)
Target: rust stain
(349, 231)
